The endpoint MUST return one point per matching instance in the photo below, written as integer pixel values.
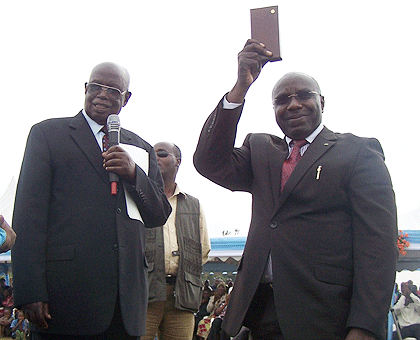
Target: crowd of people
(213, 306)
(12, 320)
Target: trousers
(166, 321)
(261, 317)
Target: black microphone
(114, 128)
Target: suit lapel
(322, 143)
(85, 140)
(277, 154)
(125, 137)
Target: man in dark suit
(320, 258)
(78, 264)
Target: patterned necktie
(290, 163)
(105, 140)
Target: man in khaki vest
(175, 253)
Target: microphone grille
(113, 123)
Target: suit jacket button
(273, 224)
(115, 247)
(119, 210)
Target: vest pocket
(188, 293)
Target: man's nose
(103, 92)
(294, 103)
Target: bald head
(119, 73)
(107, 92)
(293, 76)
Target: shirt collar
(311, 137)
(94, 126)
(178, 191)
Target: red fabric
(290, 163)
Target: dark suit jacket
(77, 246)
(332, 239)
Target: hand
(359, 334)
(37, 313)
(10, 237)
(251, 60)
(405, 289)
(117, 160)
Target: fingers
(10, 237)
(117, 160)
(37, 313)
(256, 46)
(256, 51)
(251, 60)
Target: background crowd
(13, 324)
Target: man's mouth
(101, 107)
(296, 119)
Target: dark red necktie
(105, 140)
(290, 163)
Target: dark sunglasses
(302, 96)
(163, 153)
(112, 92)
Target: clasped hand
(118, 161)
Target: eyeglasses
(112, 92)
(302, 96)
(163, 154)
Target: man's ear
(322, 103)
(127, 96)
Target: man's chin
(99, 117)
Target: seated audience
(19, 327)
(8, 297)
(407, 310)
(215, 301)
(202, 311)
(216, 332)
(5, 322)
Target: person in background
(202, 311)
(214, 303)
(175, 254)
(78, 264)
(8, 297)
(407, 310)
(5, 322)
(321, 252)
(19, 327)
(216, 332)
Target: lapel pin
(326, 144)
(318, 172)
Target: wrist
(1, 220)
(237, 94)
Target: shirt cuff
(229, 106)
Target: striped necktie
(290, 163)
(105, 140)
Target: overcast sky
(181, 56)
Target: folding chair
(397, 326)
